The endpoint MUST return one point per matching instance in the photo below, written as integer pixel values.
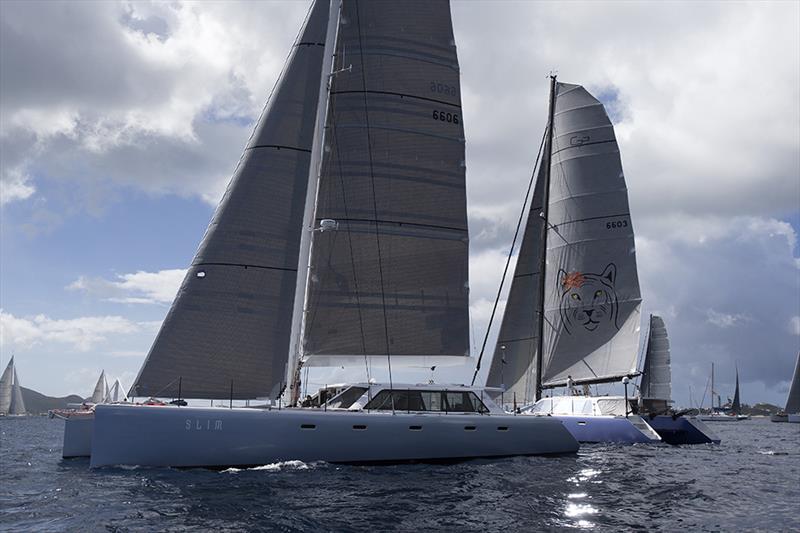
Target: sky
(122, 122)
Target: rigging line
(350, 243)
(508, 259)
(374, 199)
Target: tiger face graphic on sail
(588, 301)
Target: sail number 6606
(445, 117)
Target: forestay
(392, 277)
(514, 362)
(592, 299)
(656, 376)
(227, 332)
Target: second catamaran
(573, 312)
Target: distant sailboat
(573, 311)
(342, 239)
(116, 393)
(728, 413)
(655, 393)
(11, 400)
(791, 412)
(100, 392)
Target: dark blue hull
(682, 430)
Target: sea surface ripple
(749, 482)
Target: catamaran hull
(782, 417)
(616, 429)
(682, 430)
(77, 436)
(214, 437)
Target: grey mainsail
(6, 385)
(656, 381)
(100, 389)
(514, 362)
(227, 332)
(592, 299)
(793, 401)
(393, 277)
(17, 406)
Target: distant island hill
(37, 403)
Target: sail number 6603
(617, 224)
(445, 117)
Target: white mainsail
(6, 386)
(591, 298)
(656, 382)
(100, 389)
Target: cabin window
(423, 400)
(347, 398)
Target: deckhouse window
(347, 398)
(423, 400)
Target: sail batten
(227, 333)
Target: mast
(712, 387)
(545, 208)
(309, 214)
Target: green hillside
(38, 403)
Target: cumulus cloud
(81, 334)
(707, 127)
(135, 288)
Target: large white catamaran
(573, 314)
(341, 239)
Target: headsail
(656, 382)
(393, 276)
(793, 401)
(514, 362)
(227, 333)
(592, 299)
(6, 385)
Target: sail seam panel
(278, 147)
(263, 267)
(459, 140)
(401, 95)
(578, 146)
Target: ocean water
(749, 482)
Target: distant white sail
(793, 401)
(100, 389)
(17, 406)
(656, 381)
(6, 384)
(592, 298)
(116, 393)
